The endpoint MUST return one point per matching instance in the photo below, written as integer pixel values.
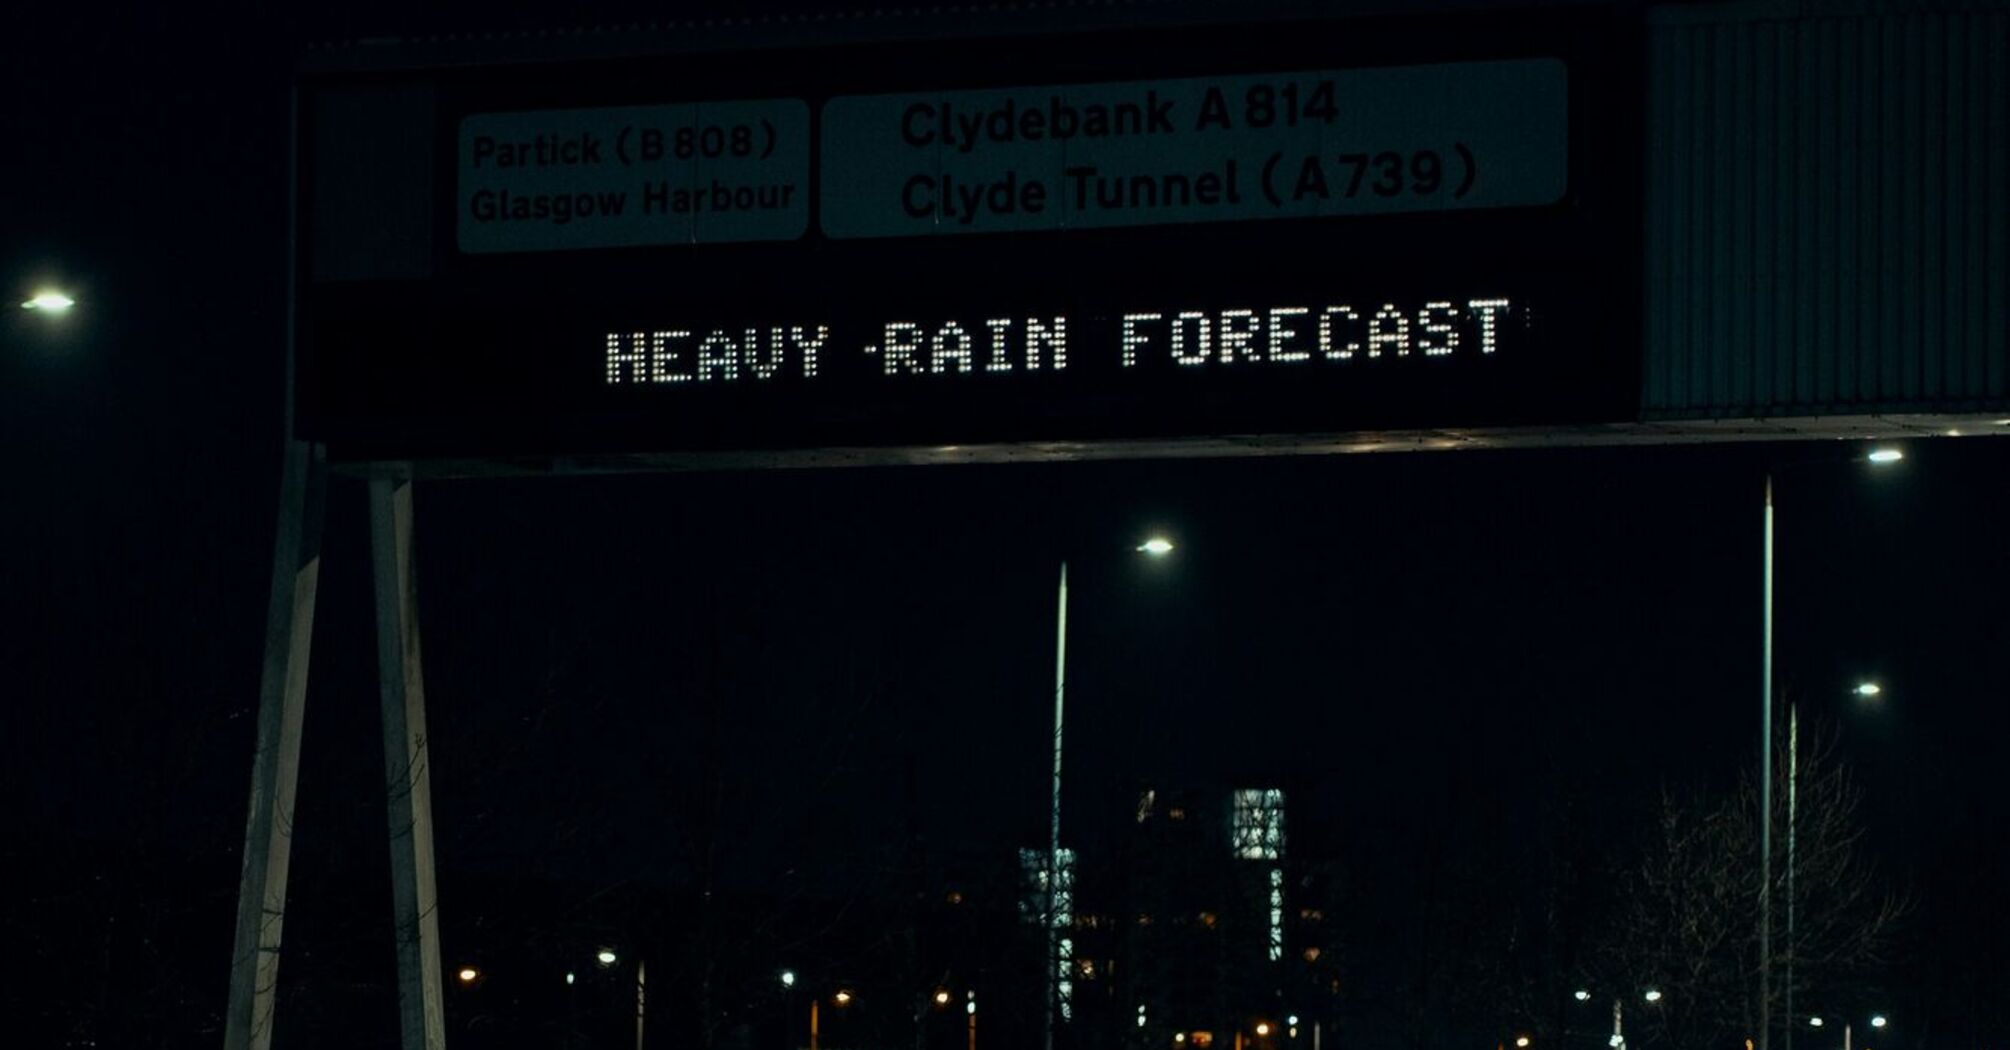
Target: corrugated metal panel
(1828, 210)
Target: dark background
(1398, 637)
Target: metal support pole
(1054, 814)
(408, 781)
(813, 1024)
(641, 1010)
(1766, 785)
(275, 766)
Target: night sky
(868, 651)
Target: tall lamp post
(1877, 457)
(1155, 547)
(1865, 690)
(1052, 917)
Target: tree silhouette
(1687, 918)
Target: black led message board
(1150, 234)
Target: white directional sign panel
(1204, 149)
(708, 173)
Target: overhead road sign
(1270, 231)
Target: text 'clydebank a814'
(1289, 145)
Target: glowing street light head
(1582, 995)
(1157, 546)
(842, 997)
(1653, 995)
(606, 957)
(1814, 1022)
(788, 978)
(1521, 1041)
(468, 974)
(49, 301)
(1263, 1028)
(1879, 1021)
(1885, 455)
(942, 997)
(1867, 689)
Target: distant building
(1188, 929)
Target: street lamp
(1867, 689)
(49, 301)
(1156, 546)
(1877, 1021)
(788, 978)
(468, 974)
(1617, 1041)
(1876, 457)
(606, 957)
